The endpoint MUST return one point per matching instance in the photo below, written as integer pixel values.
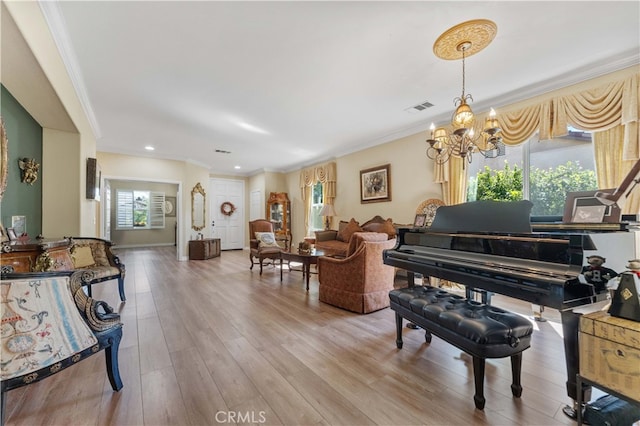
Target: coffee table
(307, 259)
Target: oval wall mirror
(198, 199)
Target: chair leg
(121, 289)
(261, 266)
(111, 358)
(251, 260)
(89, 290)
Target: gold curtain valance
(325, 174)
(596, 109)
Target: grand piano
(489, 246)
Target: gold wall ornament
(29, 168)
(198, 209)
(4, 158)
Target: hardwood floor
(211, 342)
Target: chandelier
(461, 139)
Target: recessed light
(149, 148)
(236, 167)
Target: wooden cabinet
(37, 255)
(204, 249)
(279, 213)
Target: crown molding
(55, 21)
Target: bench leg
(121, 289)
(516, 369)
(478, 376)
(427, 336)
(398, 331)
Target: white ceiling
(285, 84)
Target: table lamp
(327, 211)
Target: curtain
(454, 189)
(596, 109)
(326, 175)
(611, 168)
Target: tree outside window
(555, 167)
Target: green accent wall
(25, 140)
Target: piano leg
(570, 323)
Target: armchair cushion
(266, 239)
(82, 257)
(358, 239)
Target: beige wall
(68, 138)
(411, 183)
(183, 174)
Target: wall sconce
(29, 170)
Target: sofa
(361, 281)
(337, 241)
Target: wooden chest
(204, 249)
(610, 352)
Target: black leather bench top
(465, 323)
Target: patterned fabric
(41, 325)
(266, 239)
(360, 282)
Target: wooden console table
(204, 249)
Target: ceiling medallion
(475, 35)
(462, 138)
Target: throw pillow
(341, 227)
(82, 257)
(266, 239)
(347, 232)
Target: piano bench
(483, 331)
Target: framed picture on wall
(19, 224)
(375, 185)
(93, 179)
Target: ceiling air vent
(420, 107)
(222, 151)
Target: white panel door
(230, 229)
(256, 205)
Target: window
(540, 171)
(139, 209)
(315, 220)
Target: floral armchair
(263, 243)
(360, 282)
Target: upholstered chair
(263, 243)
(360, 282)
